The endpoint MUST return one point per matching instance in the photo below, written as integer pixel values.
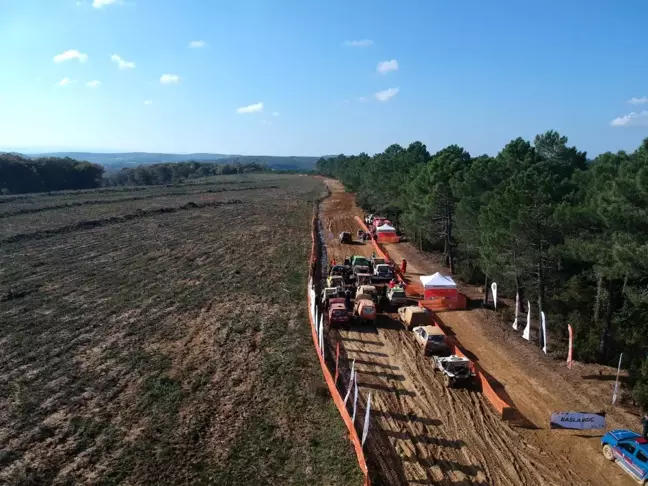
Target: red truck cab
(338, 314)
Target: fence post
(355, 398)
(365, 431)
(337, 361)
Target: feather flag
(527, 330)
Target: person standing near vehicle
(403, 267)
(644, 422)
(347, 300)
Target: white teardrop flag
(517, 311)
(351, 380)
(544, 333)
(494, 289)
(527, 330)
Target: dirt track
(446, 436)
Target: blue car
(629, 450)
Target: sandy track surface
(443, 436)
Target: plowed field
(163, 339)
(453, 436)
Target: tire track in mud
(442, 436)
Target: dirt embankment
(441, 436)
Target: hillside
(129, 159)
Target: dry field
(159, 336)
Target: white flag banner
(321, 324)
(577, 420)
(544, 333)
(494, 290)
(527, 330)
(365, 430)
(355, 399)
(321, 340)
(517, 311)
(351, 380)
(615, 394)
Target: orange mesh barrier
(391, 238)
(440, 304)
(497, 397)
(335, 394)
(433, 305)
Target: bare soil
(453, 436)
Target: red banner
(571, 346)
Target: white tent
(437, 281)
(385, 228)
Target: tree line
(20, 174)
(169, 173)
(567, 233)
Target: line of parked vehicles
(359, 288)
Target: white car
(432, 340)
(383, 271)
(397, 296)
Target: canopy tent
(386, 234)
(438, 285)
(437, 281)
(385, 228)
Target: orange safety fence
(498, 398)
(335, 394)
(495, 395)
(383, 238)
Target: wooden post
(337, 360)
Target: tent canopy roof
(438, 281)
(385, 228)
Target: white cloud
(197, 44)
(169, 79)
(386, 66)
(93, 84)
(102, 3)
(66, 82)
(387, 94)
(255, 108)
(363, 99)
(275, 113)
(266, 122)
(69, 55)
(148, 102)
(359, 43)
(123, 64)
(631, 120)
(638, 101)
(79, 3)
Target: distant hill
(130, 159)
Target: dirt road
(444, 436)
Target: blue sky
(476, 73)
